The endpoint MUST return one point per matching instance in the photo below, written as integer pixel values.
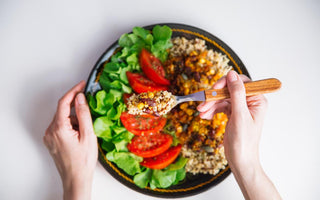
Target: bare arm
(254, 183)
(242, 136)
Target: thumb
(83, 115)
(237, 93)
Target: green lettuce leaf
(165, 178)
(135, 39)
(105, 81)
(126, 136)
(92, 103)
(102, 128)
(126, 161)
(161, 33)
(159, 49)
(162, 179)
(107, 146)
(143, 178)
(112, 67)
(180, 163)
(118, 129)
(141, 32)
(125, 40)
(123, 54)
(161, 46)
(117, 94)
(108, 104)
(132, 59)
(125, 88)
(181, 174)
(98, 104)
(123, 76)
(121, 146)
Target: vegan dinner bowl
(194, 61)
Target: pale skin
(242, 136)
(73, 145)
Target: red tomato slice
(140, 83)
(142, 124)
(150, 145)
(126, 96)
(163, 160)
(152, 68)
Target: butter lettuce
(107, 105)
(107, 145)
(166, 178)
(161, 33)
(126, 161)
(180, 163)
(102, 128)
(162, 178)
(142, 179)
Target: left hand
(72, 144)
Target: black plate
(193, 184)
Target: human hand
(72, 144)
(246, 115)
(242, 136)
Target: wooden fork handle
(252, 88)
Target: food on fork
(157, 103)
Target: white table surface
(48, 46)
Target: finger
(204, 106)
(223, 110)
(257, 106)
(221, 83)
(64, 105)
(237, 92)
(244, 78)
(207, 114)
(84, 116)
(221, 106)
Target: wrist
(246, 170)
(77, 187)
(254, 183)
(248, 176)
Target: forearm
(77, 189)
(254, 183)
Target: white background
(48, 46)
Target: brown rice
(204, 160)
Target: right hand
(245, 114)
(242, 136)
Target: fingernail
(81, 99)
(233, 76)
